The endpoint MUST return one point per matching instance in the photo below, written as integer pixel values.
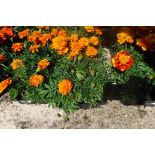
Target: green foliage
(88, 76)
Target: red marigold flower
(16, 47)
(8, 31)
(122, 60)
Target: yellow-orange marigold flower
(4, 84)
(125, 35)
(42, 27)
(24, 33)
(36, 80)
(44, 38)
(54, 32)
(89, 28)
(122, 60)
(59, 43)
(75, 46)
(16, 47)
(2, 58)
(91, 51)
(72, 55)
(64, 51)
(73, 37)
(34, 48)
(42, 64)
(65, 86)
(62, 33)
(34, 36)
(84, 42)
(17, 63)
(94, 40)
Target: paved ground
(113, 114)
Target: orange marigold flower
(89, 28)
(16, 47)
(34, 36)
(125, 35)
(8, 31)
(73, 37)
(98, 31)
(36, 80)
(42, 64)
(91, 51)
(94, 40)
(2, 58)
(75, 49)
(62, 33)
(17, 63)
(122, 60)
(43, 27)
(36, 33)
(5, 32)
(2, 36)
(64, 51)
(84, 42)
(76, 46)
(73, 54)
(4, 84)
(24, 33)
(34, 48)
(59, 43)
(54, 32)
(64, 87)
(44, 38)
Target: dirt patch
(113, 114)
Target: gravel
(112, 114)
